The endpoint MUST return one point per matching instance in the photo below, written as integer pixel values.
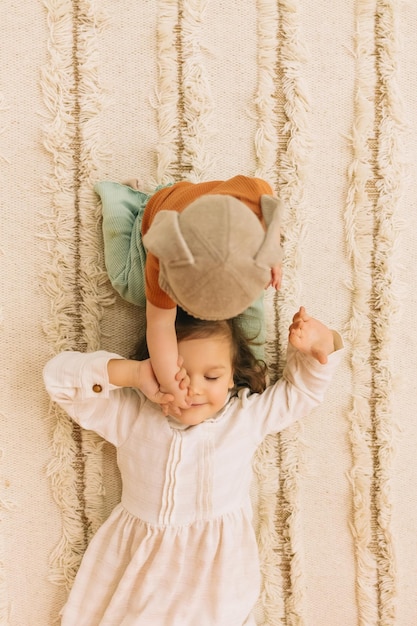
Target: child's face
(208, 364)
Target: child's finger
(181, 374)
(295, 338)
(171, 409)
(297, 325)
(297, 315)
(184, 383)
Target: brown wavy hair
(247, 370)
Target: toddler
(211, 248)
(180, 548)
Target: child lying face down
(211, 248)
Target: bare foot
(135, 183)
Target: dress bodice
(175, 476)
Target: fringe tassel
(372, 232)
(195, 93)
(94, 284)
(74, 281)
(270, 608)
(57, 83)
(167, 98)
(291, 171)
(359, 237)
(386, 291)
(183, 101)
(266, 137)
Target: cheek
(218, 396)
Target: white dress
(180, 549)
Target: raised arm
(129, 373)
(96, 390)
(314, 352)
(163, 351)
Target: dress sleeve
(302, 387)
(79, 383)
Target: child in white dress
(180, 548)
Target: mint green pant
(125, 255)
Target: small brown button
(97, 388)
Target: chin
(195, 415)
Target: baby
(210, 248)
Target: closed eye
(211, 377)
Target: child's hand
(150, 386)
(310, 336)
(177, 401)
(276, 277)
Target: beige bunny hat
(215, 257)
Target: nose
(195, 385)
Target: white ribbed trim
(167, 512)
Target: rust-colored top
(176, 198)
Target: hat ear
(270, 252)
(164, 239)
(272, 208)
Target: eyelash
(211, 377)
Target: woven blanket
(318, 98)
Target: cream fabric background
(320, 99)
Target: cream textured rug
(320, 99)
